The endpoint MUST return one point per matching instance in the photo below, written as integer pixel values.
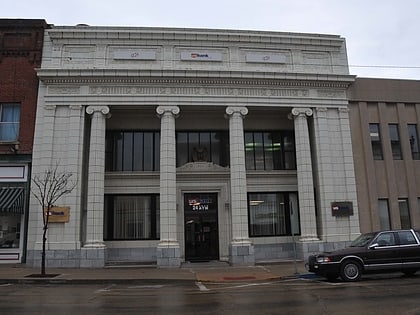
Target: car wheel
(350, 271)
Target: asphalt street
(380, 294)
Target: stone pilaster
(241, 251)
(305, 175)
(93, 251)
(168, 250)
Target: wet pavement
(203, 272)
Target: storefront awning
(12, 199)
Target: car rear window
(406, 238)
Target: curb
(95, 281)
(64, 281)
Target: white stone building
(194, 145)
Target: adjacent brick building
(21, 43)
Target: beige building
(385, 118)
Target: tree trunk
(44, 241)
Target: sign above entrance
(197, 203)
(193, 55)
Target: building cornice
(110, 34)
(173, 77)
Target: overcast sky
(382, 36)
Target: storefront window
(9, 230)
(12, 200)
(132, 217)
(202, 146)
(132, 151)
(273, 214)
(270, 150)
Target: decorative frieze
(63, 90)
(331, 93)
(180, 90)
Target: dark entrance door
(201, 227)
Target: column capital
(50, 107)
(97, 108)
(240, 109)
(321, 109)
(161, 110)
(343, 110)
(75, 107)
(304, 112)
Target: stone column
(241, 251)
(93, 251)
(168, 250)
(304, 175)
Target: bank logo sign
(201, 55)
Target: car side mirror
(373, 246)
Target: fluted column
(304, 174)
(168, 250)
(96, 177)
(241, 248)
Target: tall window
(273, 214)
(202, 146)
(270, 150)
(132, 151)
(9, 122)
(394, 135)
(404, 213)
(414, 141)
(131, 217)
(375, 139)
(384, 219)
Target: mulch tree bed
(38, 275)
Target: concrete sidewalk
(203, 272)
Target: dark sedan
(384, 251)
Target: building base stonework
(168, 256)
(242, 254)
(92, 257)
(54, 258)
(273, 252)
(131, 255)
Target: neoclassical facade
(194, 145)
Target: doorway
(201, 227)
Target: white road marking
(201, 286)
(156, 286)
(107, 289)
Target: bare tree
(47, 188)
